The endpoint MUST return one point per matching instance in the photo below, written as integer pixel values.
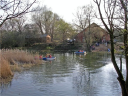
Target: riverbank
(13, 60)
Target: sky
(65, 8)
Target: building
(93, 32)
(46, 38)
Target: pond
(69, 75)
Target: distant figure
(50, 56)
(47, 55)
(96, 44)
(40, 57)
(105, 43)
(108, 50)
(93, 47)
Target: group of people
(80, 51)
(47, 56)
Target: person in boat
(47, 55)
(50, 56)
(40, 57)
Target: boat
(83, 52)
(49, 59)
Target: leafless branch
(12, 9)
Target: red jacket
(40, 57)
(50, 56)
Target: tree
(112, 22)
(52, 27)
(12, 33)
(14, 24)
(43, 17)
(14, 8)
(20, 24)
(38, 18)
(45, 20)
(11, 9)
(84, 16)
(63, 30)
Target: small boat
(49, 59)
(83, 52)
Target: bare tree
(13, 8)
(20, 24)
(52, 25)
(111, 22)
(45, 20)
(37, 18)
(9, 25)
(15, 24)
(83, 17)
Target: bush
(12, 39)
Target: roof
(94, 28)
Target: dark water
(68, 75)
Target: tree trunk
(123, 86)
(110, 29)
(124, 7)
(120, 76)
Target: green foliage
(12, 39)
(115, 50)
(63, 30)
(48, 48)
(122, 47)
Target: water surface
(68, 75)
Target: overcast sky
(65, 8)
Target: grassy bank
(16, 60)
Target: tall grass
(13, 60)
(20, 56)
(5, 70)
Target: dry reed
(20, 56)
(5, 71)
(16, 59)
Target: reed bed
(18, 56)
(5, 70)
(16, 60)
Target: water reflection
(4, 85)
(69, 75)
(98, 82)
